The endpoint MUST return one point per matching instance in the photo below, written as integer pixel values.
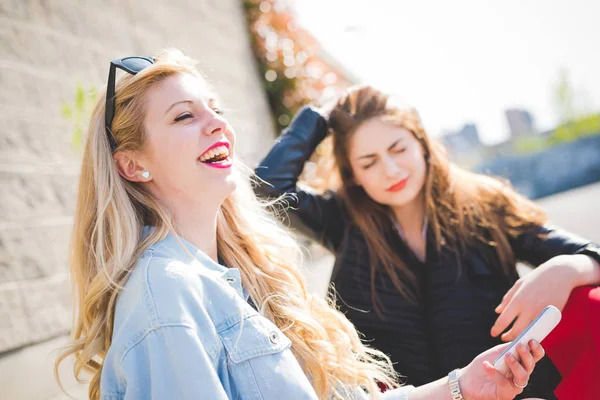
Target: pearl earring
(145, 174)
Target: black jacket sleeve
(318, 216)
(547, 241)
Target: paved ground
(27, 374)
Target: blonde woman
(186, 288)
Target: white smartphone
(537, 330)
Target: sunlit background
(510, 87)
(467, 61)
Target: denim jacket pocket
(253, 337)
(261, 362)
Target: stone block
(31, 197)
(31, 311)
(35, 251)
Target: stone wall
(47, 48)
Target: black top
(451, 323)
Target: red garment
(382, 387)
(574, 346)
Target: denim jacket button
(273, 337)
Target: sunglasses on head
(132, 65)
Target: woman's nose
(216, 124)
(391, 168)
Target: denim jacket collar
(182, 247)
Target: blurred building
(540, 164)
(563, 167)
(520, 122)
(464, 145)
(463, 141)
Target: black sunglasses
(132, 65)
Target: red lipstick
(396, 187)
(217, 144)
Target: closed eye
(183, 117)
(399, 150)
(369, 165)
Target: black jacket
(451, 323)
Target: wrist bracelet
(454, 386)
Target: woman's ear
(130, 168)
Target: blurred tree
(575, 120)
(289, 60)
(564, 97)
(576, 128)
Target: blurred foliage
(531, 144)
(574, 121)
(567, 132)
(288, 59)
(79, 112)
(564, 97)
(575, 129)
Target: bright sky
(465, 60)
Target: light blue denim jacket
(183, 329)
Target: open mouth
(217, 155)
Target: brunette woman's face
(388, 162)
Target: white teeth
(221, 150)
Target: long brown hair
(462, 208)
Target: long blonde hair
(106, 243)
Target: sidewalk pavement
(28, 374)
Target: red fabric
(574, 346)
(382, 387)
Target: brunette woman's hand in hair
(549, 284)
(480, 380)
(327, 107)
